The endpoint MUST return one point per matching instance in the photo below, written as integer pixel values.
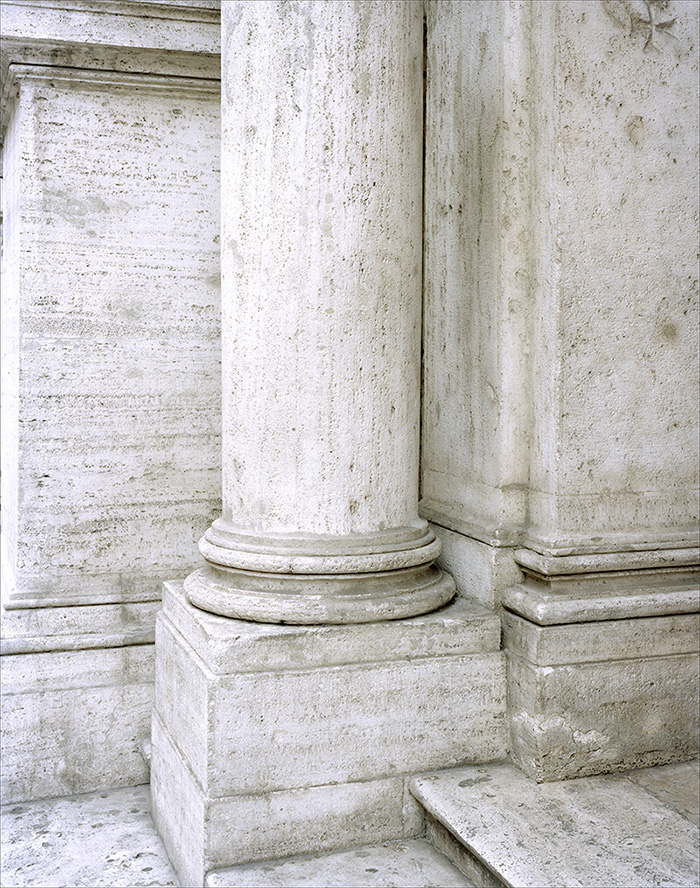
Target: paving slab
(412, 864)
(594, 831)
(93, 840)
(677, 786)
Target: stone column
(321, 292)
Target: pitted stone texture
(101, 839)
(596, 717)
(35, 630)
(321, 314)
(478, 244)
(677, 786)
(321, 254)
(602, 597)
(110, 442)
(615, 330)
(180, 37)
(464, 627)
(596, 832)
(414, 864)
(391, 716)
(601, 641)
(480, 571)
(284, 743)
(209, 833)
(72, 721)
(561, 287)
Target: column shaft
(321, 293)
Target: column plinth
(321, 292)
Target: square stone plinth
(270, 741)
(603, 696)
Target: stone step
(406, 864)
(503, 829)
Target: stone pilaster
(559, 459)
(608, 677)
(321, 291)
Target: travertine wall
(615, 334)
(559, 387)
(111, 375)
(561, 277)
(476, 407)
(476, 287)
(560, 429)
(116, 298)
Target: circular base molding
(387, 550)
(314, 599)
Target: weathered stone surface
(395, 715)
(615, 331)
(110, 311)
(477, 280)
(280, 754)
(203, 833)
(613, 597)
(459, 854)
(414, 864)
(33, 630)
(112, 306)
(464, 627)
(594, 832)
(601, 641)
(179, 37)
(77, 841)
(99, 839)
(591, 718)
(561, 300)
(481, 571)
(72, 720)
(322, 256)
(677, 786)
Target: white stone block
(33, 630)
(561, 290)
(599, 831)
(225, 646)
(179, 37)
(596, 717)
(285, 743)
(203, 833)
(72, 721)
(481, 571)
(391, 716)
(477, 256)
(601, 641)
(412, 864)
(113, 299)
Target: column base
(270, 741)
(317, 600)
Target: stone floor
(608, 831)
(108, 839)
(97, 839)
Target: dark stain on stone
(472, 781)
(669, 331)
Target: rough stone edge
(460, 854)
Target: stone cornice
(172, 38)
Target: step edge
(439, 818)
